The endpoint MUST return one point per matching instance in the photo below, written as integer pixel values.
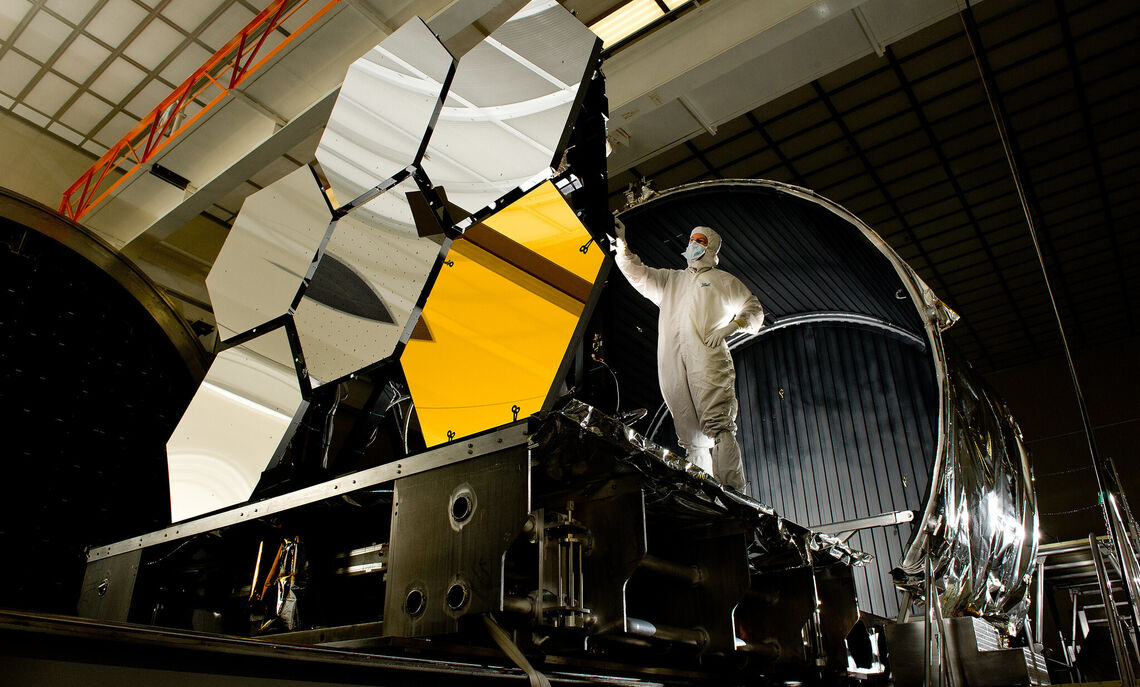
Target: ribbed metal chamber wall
(95, 369)
(837, 423)
(838, 395)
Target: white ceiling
(89, 70)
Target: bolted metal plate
(451, 528)
(108, 586)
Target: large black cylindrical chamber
(848, 406)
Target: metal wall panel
(838, 423)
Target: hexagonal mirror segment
(502, 315)
(385, 108)
(242, 416)
(366, 285)
(267, 254)
(507, 114)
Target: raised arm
(648, 281)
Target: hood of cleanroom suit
(697, 381)
(711, 258)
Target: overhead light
(627, 20)
(632, 17)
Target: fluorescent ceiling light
(627, 20)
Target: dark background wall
(1040, 396)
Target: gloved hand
(618, 243)
(721, 334)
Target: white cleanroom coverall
(699, 307)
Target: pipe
(1072, 546)
(643, 628)
(518, 604)
(689, 574)
(767, 650)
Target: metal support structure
(1119, 644)
(227, 69)
(687, 574)
(1039, 618)
(928, 623)
(935, 629)
(897, 517)
(473, 447)
(47, 649)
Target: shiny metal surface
(506, 115)
(975, 657)
(243, 414)
(651, 459)
(984, 524)
(267, 254)
(512, 435)
(828, 317)
(364, 289)
(385, 108)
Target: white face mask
(694, 251)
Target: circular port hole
(457, 596)
(461, 507)
(415, 602)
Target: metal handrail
(1119, 645)
(227, 69)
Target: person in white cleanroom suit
(700, 307)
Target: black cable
(327, 430)
(170, 553)
(617, 385)
(974, 40)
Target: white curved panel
(508, 107)
(384, 110)
(267, 254)
(363, 292)
(242, 415)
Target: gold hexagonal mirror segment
(502, 315)
(242, 416)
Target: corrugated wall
(796, 255)
(835, 424)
